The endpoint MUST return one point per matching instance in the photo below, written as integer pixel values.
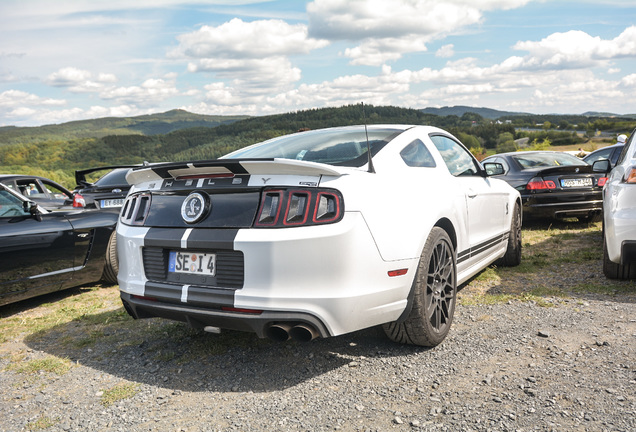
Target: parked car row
(314, 234)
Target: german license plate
(192, 263)
(108, 203)
(579, 182)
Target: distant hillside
(461, 110)
(152, 124)
(606, 114)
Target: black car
(610, 153)
(552, 184)
(108, 192)
(43, 251)
(45, 192)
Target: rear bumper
(331, 277)
(562, 205)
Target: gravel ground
(562, 364)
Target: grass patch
(609, 289)
(118, 393)
(48, 364)
(42, 423)
(93, 306)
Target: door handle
(471, 193)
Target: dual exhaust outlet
(281, 332)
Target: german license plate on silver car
(192, 263)
(579, 182)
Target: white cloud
(254, 56)
(151, 91)
(379, 23)
(446, 51)
(18, 98)
(238, 39)
(78, 80)
(576, 49)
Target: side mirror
(493, 168)
(601, 166)
(32, 208)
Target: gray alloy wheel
(435, 288)
(111, 268)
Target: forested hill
(151, 124)
(92, 143)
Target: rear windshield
(116, 177)
(545, 160)
(338, 146)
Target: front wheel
(435, 288)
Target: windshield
(545, 160)
(336, 146)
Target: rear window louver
(135, 209)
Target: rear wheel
(512, 257)
(435, 288)
(611, 270)
(111, 268)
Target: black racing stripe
(197, 296)
(233, 165)
(164, 237)
(212, 239)
(482, 247)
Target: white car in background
(619, 216)
(307, 235)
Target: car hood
(234, 166)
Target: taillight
(299, 207)
(135, 209)
(601, 181)
(538, 183)
(78, 201)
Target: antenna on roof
(364, 117)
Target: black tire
(434, 295)
(591, 218)
(111, 267)
(611, 270)
(512, 257)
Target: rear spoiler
(233, 167)
(80, 175)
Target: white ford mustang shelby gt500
(306, 236)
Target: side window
(55, 191)
(458, 160)
(30, 188)
(603, 154)
(417, 155)
(628, 144)
(10, 205)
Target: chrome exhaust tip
(278, 332)
(303, 333)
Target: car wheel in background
(611, 270)
(434, 297)
(111, 268)
(512, 257)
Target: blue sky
(79, 59)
